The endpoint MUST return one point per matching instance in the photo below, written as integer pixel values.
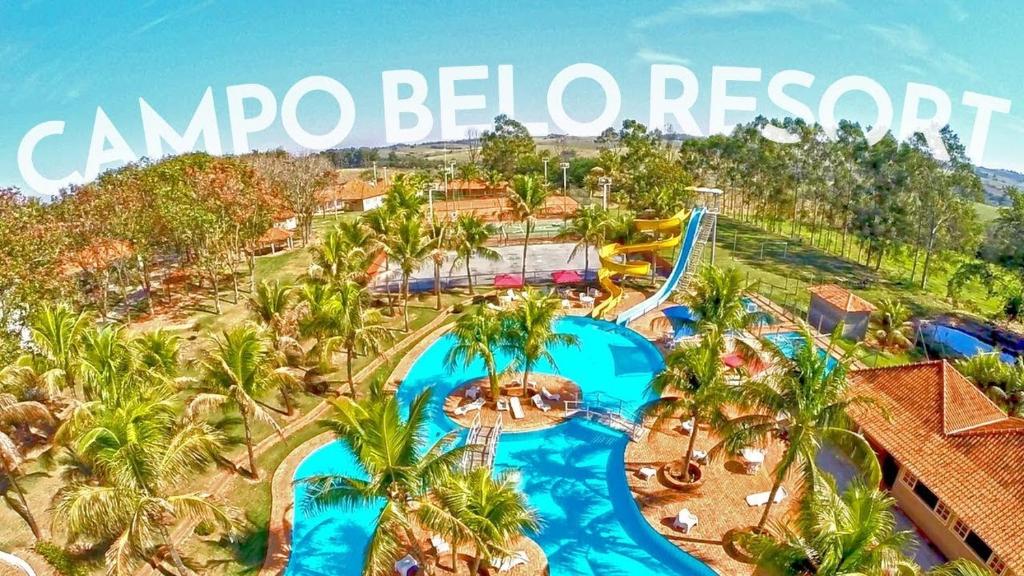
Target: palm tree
(693, 385)
(528, 198)
(492, 513)
(477, 336)
(470, 239)
(353, 326)
(405, 196)
(11, 476)
(269, 304)
(890, 324)
(410, 249)
(805, 405)
(142, 454)
(836, 534)
(382, 221)
(236, 375)
(57, 334)
(441, 241)
(342, 252)
(396, 468)
(1002, 382)
(530, 332)
(622, 229)
(716, 300)
(590, 226)
(159, 351)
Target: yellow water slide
(611, 266)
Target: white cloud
(656, 57)
(729, 9)
(909, 40)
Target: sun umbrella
(566, 277)
(508, 281)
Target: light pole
(565, 177)
(546, 170)
(430, 200)
(374, 172)
(605, 183)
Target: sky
(64, 59)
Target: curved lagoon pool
(572, 473)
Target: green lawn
(986, 212)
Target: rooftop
(956, 441)
(351, 190)
(841, 298)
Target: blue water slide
(665, 290)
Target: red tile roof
(956, 441)
(276, 235)
(476, 185)
(842, 298)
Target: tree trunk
(25, 512)
(123, 281)
(771, 500)
(492, 374)
(586, 260)
(253, 471)
(387, 287)
(349, 352)
(175, 557)
(405, 299)
(928, 258)
(216, 292)
(469, 277)
(437, 284)
(526, 244)
(689, 451)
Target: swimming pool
(789, 342)
(573, 473)
(949, 341)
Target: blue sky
(61, 59)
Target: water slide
(611, 267)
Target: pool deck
(719, 503)
(533, 418)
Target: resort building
(951, 458)
(832, 305)
(352, 196)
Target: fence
(455, 279)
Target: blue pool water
(572, 474)
(957, 343)
(789, 342)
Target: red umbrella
(508, 281)
(566, 277)
(732, 360)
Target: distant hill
(995, 181)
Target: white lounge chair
(509, 562)
(516, 407)
(473, 392)
(761, 498)
(466, 409)
(685, 521)
(407, 566)
(539, 403)
(646, 473)
(549, 396)
(566, 303)
(439, 544)
(688, 426)
(700, 456)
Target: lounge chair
(700, 456)
(466, 409)
(646, 473)
(509, 562)
(549, 396)
(685, 521)
(688, 426)
(539, 403)
(761, 498)
(439, 544)
(473, 392)
(407, 566)
(516, 407)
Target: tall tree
(528, 198)
(410, 249)
(805, 405)
(529, 332)
(589, 226)
(353, 326)
(235, 376)
(478, 335)
(470, 240)
(505, 148)
(396, 468)
(693, 386)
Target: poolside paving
(719, 503)
(533, 417)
